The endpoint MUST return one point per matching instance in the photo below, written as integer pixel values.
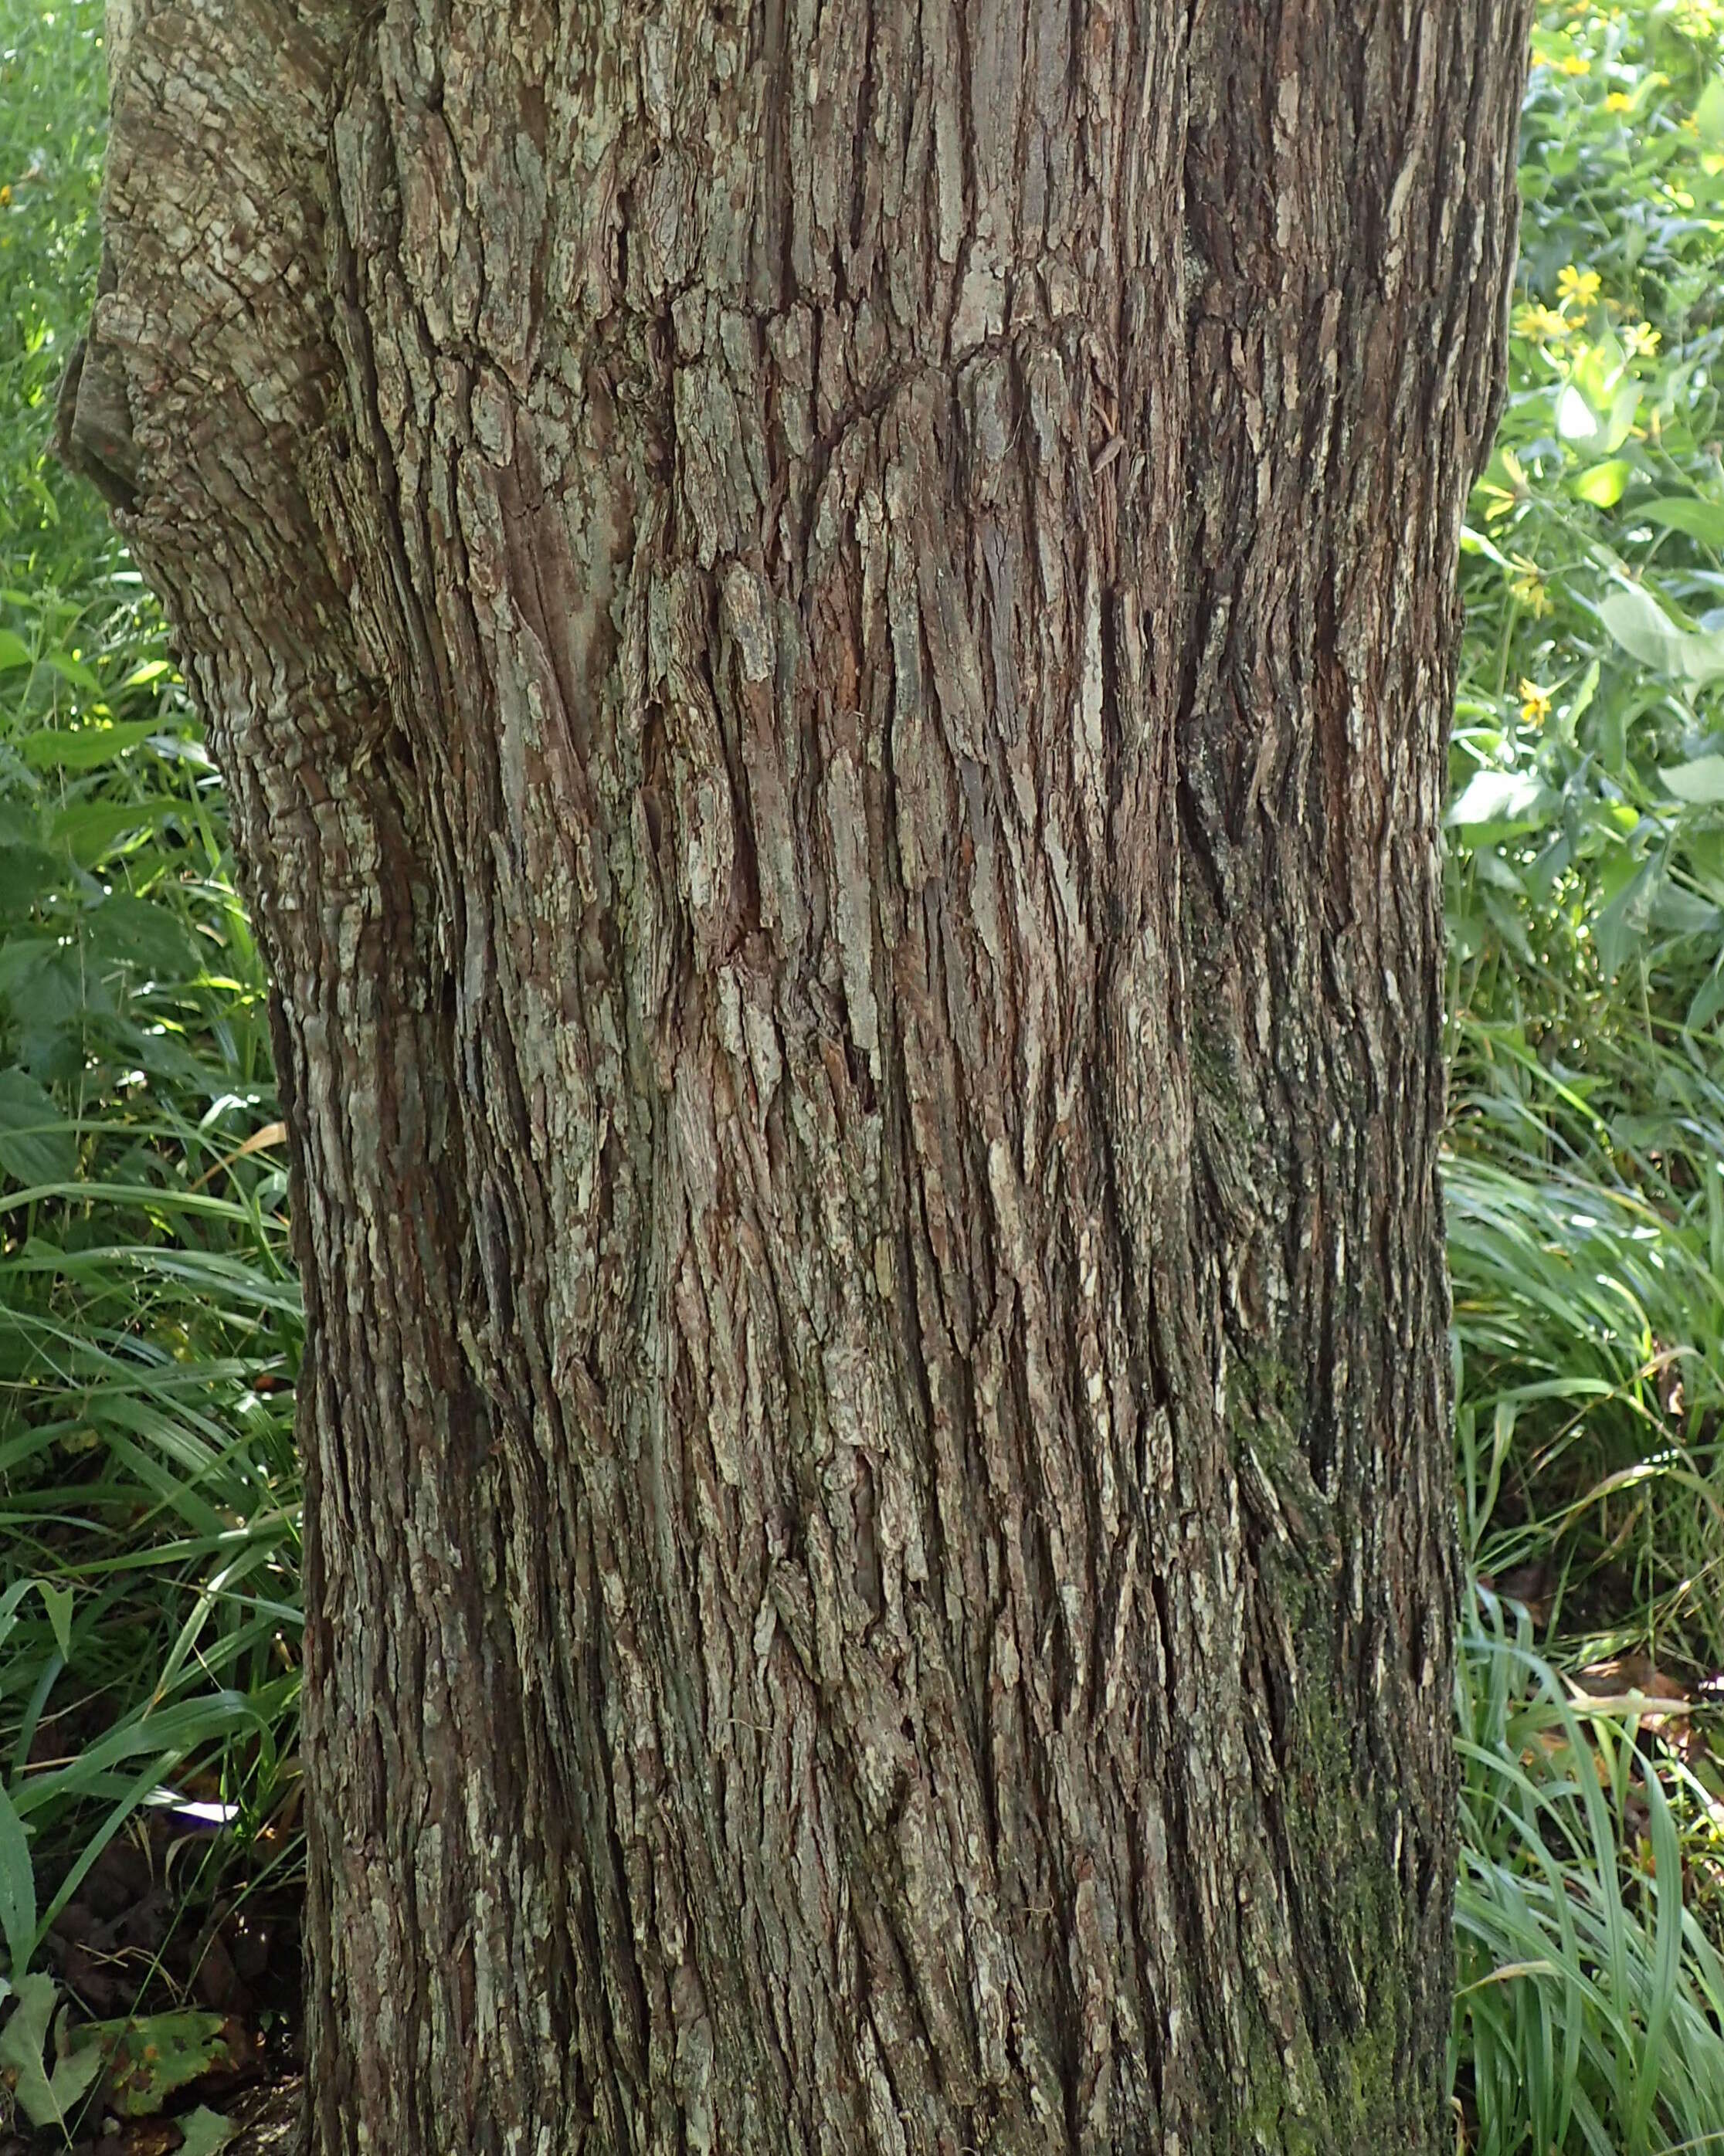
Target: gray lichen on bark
(831, 630)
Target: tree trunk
(831, 628)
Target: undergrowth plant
(1586, 1178)
(149, 1318)
(149, 1321)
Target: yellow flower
(1529, 588)
(5, 197)
(1535, 702)
(1581, 284)
(1575, 64)
(1641, 339)
(1617, 101)
(1542, 322)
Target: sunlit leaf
(1701, 519)
(1641, 625)
(1502, 797)
(1603, 484)
(1702, 780)
(1576, 419)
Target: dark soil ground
(163, 1923)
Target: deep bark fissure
(831, 631)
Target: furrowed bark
(831, 630)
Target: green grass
(1591, 1994)
(149, 1319)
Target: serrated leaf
(1641, 625)
(1700, 781)
(44, 2098)
(150, 2056)
(36, 1146)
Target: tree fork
(831, 632)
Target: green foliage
(149, 1321)
(1590, 2005)
(1585, 1185)
(1586, 821)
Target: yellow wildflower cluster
(1535, 703)
(1542, 322)
(1576, 289)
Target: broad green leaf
(73, 671)
(14, 650)
(1599, 373)
(142, 933)
(91, 829)
(150, 2057)
(45, 2099)
(1709, 113)
(1603, 484)
(1641, 625)
(1576, 419)
(18, 1890)
(1623, 923)
(1684, 912)
(203, 2131)
(36, 1144)
(28, 875)
(1502, 797)
(1507, 921)
(1701, 781)
(1624, 406)
(1701, 519)
(82, 748)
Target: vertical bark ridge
(831, 630)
